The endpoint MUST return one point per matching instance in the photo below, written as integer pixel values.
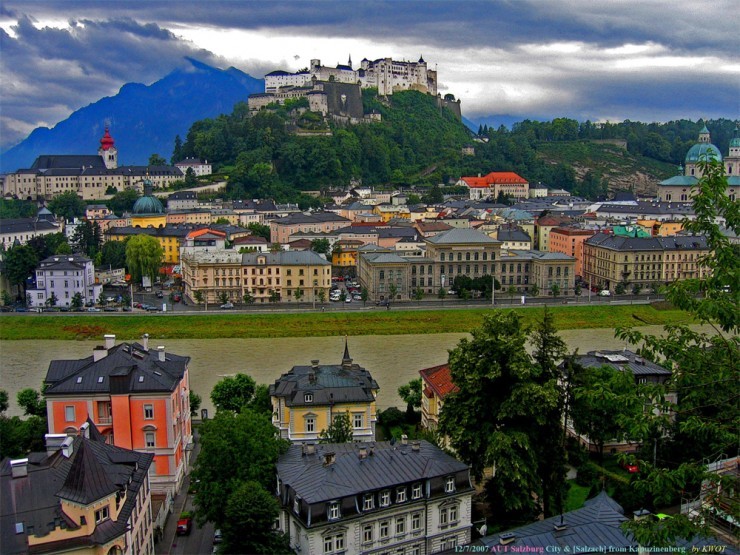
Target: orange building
(570, 241)
(495, 183)
(436, 384)
(138, 398)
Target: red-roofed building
(495, 183)
(436, 384)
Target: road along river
(393, 360)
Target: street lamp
(442, 279)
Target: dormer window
(333, 512)
(368, 502)
(385, 498)
(400, 495)
(416, 491)
(101, 515)
(450, 484)
(297, 505)
(308, 397)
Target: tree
(321, 296)
(274, 296)
(77, 301)
(222, 221)
(114, 254)
(123, 201)
(102, 298)
(260, 230)
(20, 263)
(298, 294)
(261, 401)
(67, 205)
(392, 291)
(233, 393)
(498, 412)
(157, 160)
(434, 196)
(620, 289)
(87, 238)
(3, 401)
(410, 393)
(195, 402)
(636, 288)
(198, 296)
(512, 292)
(704, 426)
(32, 403)
(555, 290)
(52, 300)
(339, 431)
(442, 293)
(144, 256)
(177, 151)
(320, 246)
(418, 294)
(248, 298)
(248, 525)
(364, 295)
(577, 290)
(7, 298)
(534, 290)
(236, 447)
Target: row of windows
(384, 528)
(451, 256)
(70, 413)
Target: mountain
(143, 119)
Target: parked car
(176, 298)
(110, 309)
(605, 293)
(160, 295)
(381, 303)
(348, 299)
(217, 536)
(93, 309)
(357, 297)
(184, 524)
(226, 306)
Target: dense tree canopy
(233, 392)
(144, 256)
(67, 205)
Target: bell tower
(108, 151)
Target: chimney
(416, 446)
(161, 353)
(642, 514)
(110, 341)
(85, 430)
(145, 341)
(67, 446)
(19, 468)
(560, 526)
(329, 458)
(99, 353)
(54, 442)
(310, 448)
(404, 439)
(507, 538)
(362, 453)
(315, 364)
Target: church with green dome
(148, 210)
(678, 188)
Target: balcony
(104, 420)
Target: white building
(198, 166)
(373, 498)
(63, 276)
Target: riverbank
(317, 324)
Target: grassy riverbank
(370, 322)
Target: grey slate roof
(594, 528)
(513, 235)
(622, 360)
(285, 258)
(316, 217)
(26, 225)
(64, 262)
(621, 243)
(328, 383)
(457, 236)
(388, 466)
(76, 161)
(95, 469)
(127, 368)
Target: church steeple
(346, 359)
(349, 61)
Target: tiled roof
(494, 178)
(206, 231)
(621, 243)
(439, 379)
(127, 368)
(388, 466)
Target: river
(392, 360)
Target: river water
(393, 360)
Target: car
(160, 295)
(348, 299)
(153, 308)
(382, 303)
(110, 299)
(176, 298)
(93, 309)
(226, 306)
(217, 536)
(110, 309)
(126, 309)
(357, 297)
(605, 293)
(184, 525)
(632, 468)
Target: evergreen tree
(339, 431)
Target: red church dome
(107, 141)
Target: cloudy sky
(586, 59)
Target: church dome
(148, 204)
(702, 151)
(107, 141)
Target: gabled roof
(87, 480)
(206, 232)
(439, 379)
(494, 178)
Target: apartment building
(569, 240)
(138, 398)
(61, 277)
(384, 497)
(320, 222)
(494, 184)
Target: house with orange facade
(569, 240)
(138, 398)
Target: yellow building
(170, 237)
(267, 277)
(346, 255)
(661, 229)
(148, 210)
(306, 400)
(80, 496)
(387, 212)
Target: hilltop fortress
(335, 91)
